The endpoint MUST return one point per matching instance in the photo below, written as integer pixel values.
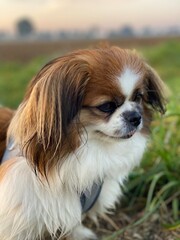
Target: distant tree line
(25, 29)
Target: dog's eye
(108, 107)
(138, 97)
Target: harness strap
(10, 152)
(87, 198)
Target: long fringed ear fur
(46, 123)
(156, 90)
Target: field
(150, 208)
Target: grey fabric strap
(10, 152)
(88, 198)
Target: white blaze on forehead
(128, 80)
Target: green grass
(157, 181)
(14, 78)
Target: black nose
(134, 118)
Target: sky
(54, 15)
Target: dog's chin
(129, 134)
(116, 137)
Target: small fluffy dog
(81, 128)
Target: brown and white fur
(85, 118)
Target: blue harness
(87, 198)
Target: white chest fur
(48, 206)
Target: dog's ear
(155, 90)
(46, 123)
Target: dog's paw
(82, 233)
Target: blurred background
(32, 32)
(85, 19)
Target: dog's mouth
(125, 136)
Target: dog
(82, 127)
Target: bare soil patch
(26, 51)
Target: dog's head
(104, 94)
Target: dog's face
(106, 94)
(118, 95)
(114, 110)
